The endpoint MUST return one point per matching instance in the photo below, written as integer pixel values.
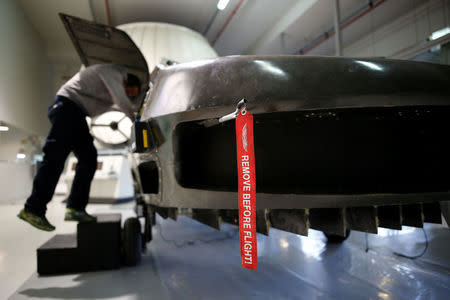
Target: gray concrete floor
(187, 260)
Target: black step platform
(96, 246)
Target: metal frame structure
(340, 143)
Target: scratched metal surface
(187, 260)
(295, 83)
(209, 89)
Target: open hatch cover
(99, 44)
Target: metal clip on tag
(242, 105)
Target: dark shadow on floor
(144, 284)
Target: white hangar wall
(24, 97)
(24, 74)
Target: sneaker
(79, 216)
(40, 222)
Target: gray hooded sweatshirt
(98, 89)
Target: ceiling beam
(293, 14)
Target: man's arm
(113, 77)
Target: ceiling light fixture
(222, 4)
(370, 65)
(439, 33)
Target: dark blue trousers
(69, 132)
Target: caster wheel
(132, 242)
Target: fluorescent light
(222, 4)
(21, 155)
(269, 67)
(370, 65)
(4, 128)
(440, 33)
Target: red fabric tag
(247, 189)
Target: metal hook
(240, 107)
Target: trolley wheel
(132, 242)
(148, 214)
(337, 239)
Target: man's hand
(132, 116)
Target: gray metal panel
(413, 215)
(390, 216)
(331, 221)
(432, 213)
(362, 219)
(288, 83)
(210, 217)
(210, 89)
(291, 220)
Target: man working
(91, 92)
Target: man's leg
(56, 150)
(86, 154)
(45, 181)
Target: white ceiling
(258, 27)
